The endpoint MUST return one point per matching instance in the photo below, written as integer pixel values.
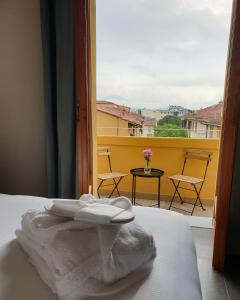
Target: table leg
(135, 183)
(132, 189)
(159, 192)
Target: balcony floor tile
(165, 205)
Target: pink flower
(147, 153)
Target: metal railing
(160, 132)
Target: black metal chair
(196, 183)
(115, 177)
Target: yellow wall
(167, 155)
(118, 126)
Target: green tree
(170, 130)
(170, 120)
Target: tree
(170, 120)
(170, 130)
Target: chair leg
(197, 199)
(99, 188)
(200, 201)
(180, 197)
(172, 200)
(116, 187)
(176, 187)
(176, 192)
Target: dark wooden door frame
(231, 118)
(83, 96)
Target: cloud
(154, 51)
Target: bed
(174, 276)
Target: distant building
(154, 114)
(158, 114)
(149, 126)
(176, 110)
(205, 122)
(114, 119)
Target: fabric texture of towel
(79, 259)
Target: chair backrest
(105, 152)
(197, 154)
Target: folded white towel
(80, 259)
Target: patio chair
(195, 183)
(115, 177)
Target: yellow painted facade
(168, 155)
(109, 125)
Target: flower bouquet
(147, 154)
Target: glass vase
(147, 169)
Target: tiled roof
(150, 122)
(210, 115)
(120, 112)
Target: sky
(156, 53)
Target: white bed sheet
(174, 276)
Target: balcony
(168, 156)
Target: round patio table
(139, 172)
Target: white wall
(200, 130)
(22, 140)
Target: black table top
(140, 172)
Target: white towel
(79, 259)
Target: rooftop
(210, 115)
(150, 122)
(119, 111)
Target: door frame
(85, 80)
(231, 118)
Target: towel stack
(81, 259)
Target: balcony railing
(168, 154)
(164, 132)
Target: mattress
(174, 275)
